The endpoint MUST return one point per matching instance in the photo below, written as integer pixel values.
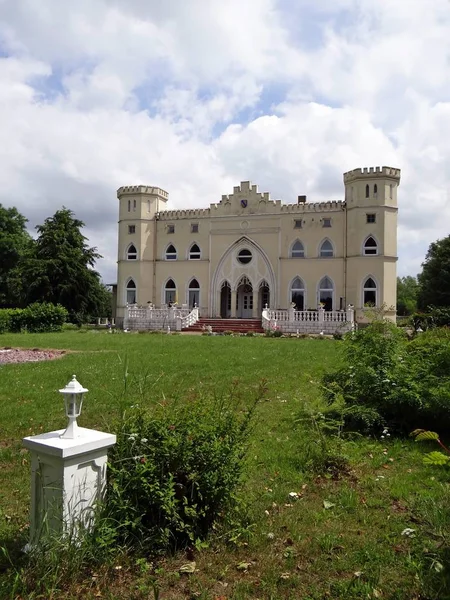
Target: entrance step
(221, 325)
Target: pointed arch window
(298, 293)
(297, 251)
(326, 249)
(171, 253)
(391, 187)
(326, 293)
(170, 292)
(194, 252)
(367, 191)
(194, 293)
(375, 191)
(131, 252)
(369, 292)
(131, 290)
(370, 247)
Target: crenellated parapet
(141, 189)
(188, 213)
(371, 173)
(313, 207)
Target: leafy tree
(407, 291)
(60, 269)
(14, 243)
(434, 281)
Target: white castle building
(247, 251)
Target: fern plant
(436, 457)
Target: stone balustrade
(309, 321)
(149, 318)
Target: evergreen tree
(434, 281)
(60, 269)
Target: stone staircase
(221, 325)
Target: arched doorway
(244, 299)
(225, 300)
(264, 295)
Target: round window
(244, 256)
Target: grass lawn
(341, 539)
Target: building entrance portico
(242, 282)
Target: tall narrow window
(298, 293)
(134, 205)
(369, 292)
(129, 205)
(367, 191)
(370, 247)
(131, 292)
(326, 249)
(194, 293)
(375, 191)
(131, 252)
(391, 187)
(326, 293)
(170, 292)
(194, 252)
(171, 253)
(297, 250)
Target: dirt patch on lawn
(20, 355)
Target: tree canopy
(60, 268)
(14, 243)
(407, 291)
(434, 281)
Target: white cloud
(196, 96)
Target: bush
(174, 472)
(35, 318)
(388, 380)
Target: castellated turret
(139, 206)
(371, 202)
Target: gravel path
(20, 355)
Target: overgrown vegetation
(174, 471)
(330, 513)
(389, 380)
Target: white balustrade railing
(288, 318)
(190, 319)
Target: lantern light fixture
(73, 401)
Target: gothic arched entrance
(234, 290)
(244, 299)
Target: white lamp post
(68, 472)
(73, 401)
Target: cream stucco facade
(248, 250)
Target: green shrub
(388, 380)
(5, 320)
(43, 317)
(175, 471)
(35, 318)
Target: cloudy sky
(196, 95)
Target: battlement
(313, 207)
(372, 172)
(141, 189)
(188, 213)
